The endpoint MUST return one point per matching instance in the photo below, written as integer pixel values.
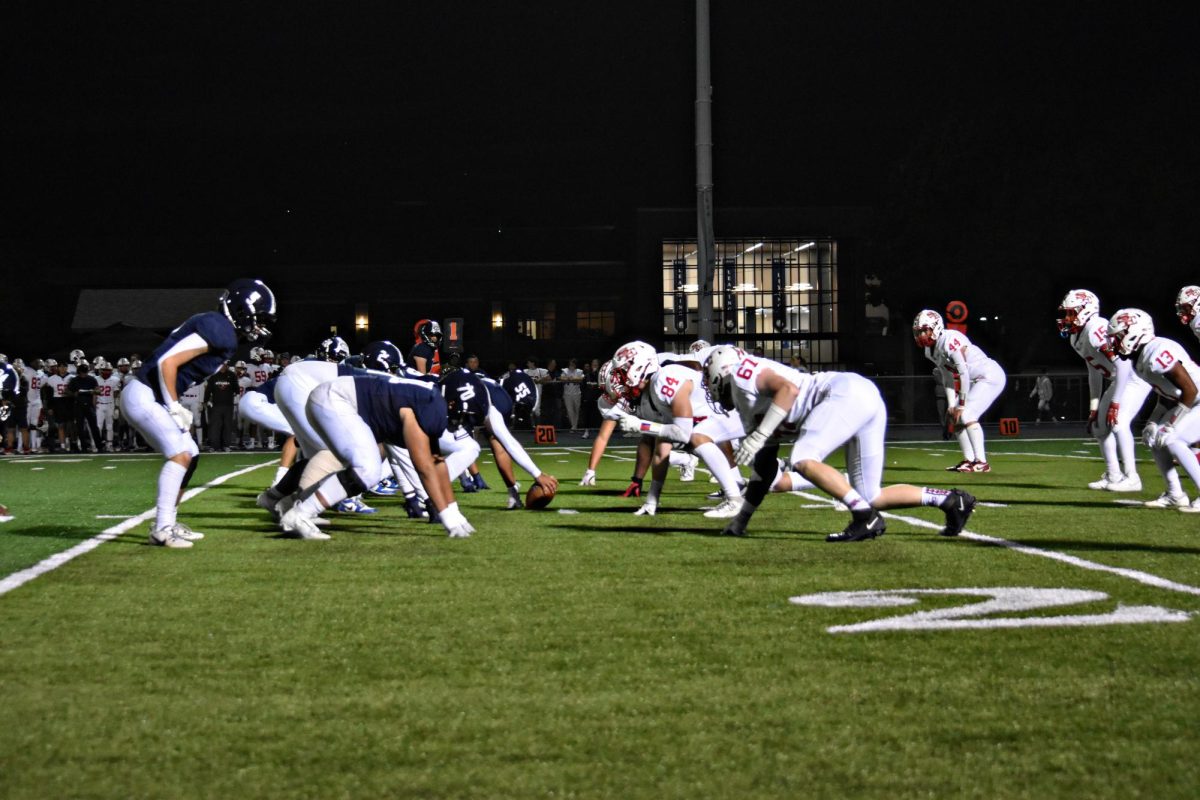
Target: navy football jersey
(500, 399)
(431, 355)
(520, 388)
(216, 331)
(380, 398)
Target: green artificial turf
(590, 654)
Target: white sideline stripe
(19, 579)
(1133, 574)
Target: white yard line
(1132, 574)
(19, 579)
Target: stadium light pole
(705, 238)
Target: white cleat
(1129, 483)
(687, 472)
(1194, 508)
(299, 526)
(184, 532)
(1104, 482)
(1168, 500)
(726, 510)
(168, 537)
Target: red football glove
(1110, 417)
(1091, 423)
(634, 489)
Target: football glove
(630, 424)
(589, 478)
(1110, 416)
(1150, 433)
(647, 510)
(1091, 423)
(182, 417)
(753, 442)
(634, 489)
(1164, 436)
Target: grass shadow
(72, 534)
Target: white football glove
(182, 417)
(589, 478)
(463, 531)
(750, 446)
(630, 424)
(1165, 436)
(647, 510)
(1150, 433)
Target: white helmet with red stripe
(927, 327)
(1129, 330)
(632, 366)
(1186, 303)
(1075, 310)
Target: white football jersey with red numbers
(36, 379)
(1158, 358)
(955, 353)
(107, 391)
(261, 373)
(669, 381)
(1091, 344)
(59, 384)
(751, 405)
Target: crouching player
(675, 392)
(354, 415)
(1174, 424)
(821, 412)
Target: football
(537, 497)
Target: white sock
(330, 489)
(170, 478)
(679, 458)
(655, 490)
(975, 434)
(855, 502)
(1124, 438)
(933, 497)
(279, 473)
(1108, 448)
(965, 443)
(718, 465)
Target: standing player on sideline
(191, 353)
(823, 412)
(425, 355)
(1111, 410)
(1174, 424)
(106, 403)
(981, 380)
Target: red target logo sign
(956, 316)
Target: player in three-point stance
(192, 352)
(1112, 408)
(820, 413)
(980, 382)
(1174, 424)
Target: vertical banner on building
(779, 293)
(729, 278)
(680, 295)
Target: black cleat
(958, 506)
(862, 527)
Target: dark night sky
(350, 131)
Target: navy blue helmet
(333, 349)
(250, 306)
(383, 356)
(467, 400)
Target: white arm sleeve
(499, 429)
(1095, 384)
(964, 375)
(948, 385)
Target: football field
(1049, 651)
